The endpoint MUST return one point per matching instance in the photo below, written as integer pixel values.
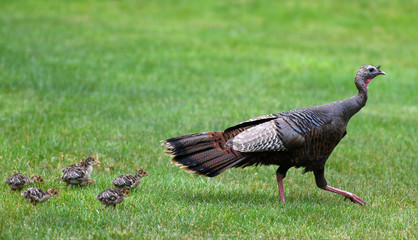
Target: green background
(112, 78)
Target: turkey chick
(80, 175)
(19, 181)
(36, 195)
(112, 196)
(128, 181)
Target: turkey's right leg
(280, 176)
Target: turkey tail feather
(203, 153)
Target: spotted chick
(79, 175)
(37, 195)
(112, 196)
(128, 181)
(19, 181)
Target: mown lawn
(112, 78)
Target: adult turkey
(298, 138)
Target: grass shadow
(225, 197)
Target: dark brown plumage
(298, 138)
(69, 168)
(18, 181)
(128, 181)
(36, 195)
(112, 196)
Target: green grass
(113, 78)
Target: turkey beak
(380, 71)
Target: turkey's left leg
(87, 181)
(321, 182)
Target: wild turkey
(19, 181)
(128, 181)
(79, 175)
(36, 195)
(112, 196)
(298, 138)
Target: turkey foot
(348, 195)
(87, 181)
(90, 181)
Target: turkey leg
(348, 195)
(280, 177)
(321, 182)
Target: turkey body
(73, 166)
(19, 181)
(37, 195)
(112, 196)
(128, 181)
(79, 174)
(298, 138)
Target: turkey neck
(89, 169)
(31, 180)
(46, 197)
(351, 106)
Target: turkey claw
(355, 199)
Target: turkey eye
(371, 70)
